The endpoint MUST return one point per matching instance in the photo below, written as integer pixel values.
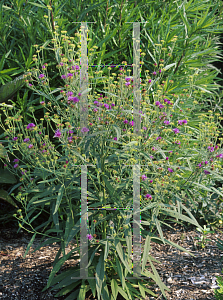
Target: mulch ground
(187, 277)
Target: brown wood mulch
(188, 277)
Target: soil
(187, 277)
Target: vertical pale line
(136, 77)
(136, 221)
(83, 103)
(83, 231)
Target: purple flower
(211, 149)
(125, 121)
(151, 181)
(75, 99)
(127, 78)
(160, 71)
(166, 122)
(158, 138)
(167, 158)
(219, 155)
(31, 125)
(106, 105)
(154, 73)
(41, 75)
(157, 103)
(115, 138)
(16, 160)
(151, 156)
(42, 102)
(30, 146)
(61, 64)
(180, 122)
(144, 128)
(70, 131)
(89, 236)
(26, 140)
(16, 166)
(170, 170)
(132, 123)
(149, 80)
(57, 133)
(176, 130)
(70, 93)
(63, 77)
(161, 106)
(113, 104)
(200, 165)
(84, 129)
(95, 110)
(185, 121)
(15, 138)
(69, 74)
(206, 172)
(144, 177)
(96, 102)
(148, 196)
(70, 138)
(206, 162)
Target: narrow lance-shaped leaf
(10, 88)
(100, 272)
(59, 198)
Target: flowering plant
(51, 150)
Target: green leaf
(121, 254)
(114, 288)
(100, 272)
(82, 293)
(5, 196)
(161, 285)
(106, 250)
(92, 283)
(141, 288)
(29, 245)
(57, 267)
(118, 131)
(36, 216)
(123, 293)
(3, 152)
(129, 242)
(65, 275)
(10, 88)
(59, 198)
(108, 186)
(217, 191)
(159, 229)
(55, 216)
(147, 248)
(7, 177)
(120, 273)
(92, 256)
(105, 293)
(72, 295)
